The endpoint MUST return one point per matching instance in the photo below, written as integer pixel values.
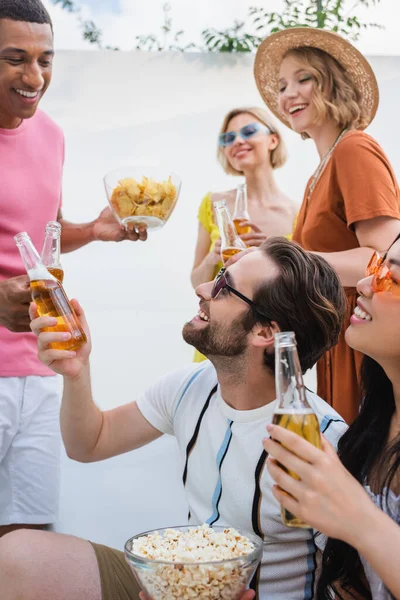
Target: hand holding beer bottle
(230, 241)
(69, 363)
(51, 299)
(293, 411)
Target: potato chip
(147, 198)
(122, 203)
(131, 187)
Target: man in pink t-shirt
(31, 155)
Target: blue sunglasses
(246, 132)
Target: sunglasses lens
(382, 281)
(373, 264)
(226, 139)
(249, 130)
(219, 284)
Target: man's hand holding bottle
(15, 296)
(65, 362)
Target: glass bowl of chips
(142, 196)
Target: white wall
(118, 108)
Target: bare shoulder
(289, 204)
(229, 196)
(215, 196)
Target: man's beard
(217, 340)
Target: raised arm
(370, 194)
(374, 234)
(204, 260)
(89, 434)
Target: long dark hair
(364, 450)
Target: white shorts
(30, 443)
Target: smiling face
(247, 155)
(217, 329)
(296, 90)
(375, 324)
(26, 53)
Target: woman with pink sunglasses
(354, 497)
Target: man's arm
(89, 434)
(104, 229)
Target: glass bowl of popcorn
(202, 562)
(142, 196)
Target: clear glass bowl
(142, 196)
(219, 579)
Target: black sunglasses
(221, 283)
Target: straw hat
(272, 50)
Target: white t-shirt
(224, 472)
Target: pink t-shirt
(31, 164)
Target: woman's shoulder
(206, 210)
(227, 195)
(356, 139)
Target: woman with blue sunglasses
(250, 146)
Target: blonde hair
(278, 155)
(335, 94)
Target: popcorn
(193, 571)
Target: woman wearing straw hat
(318, 84)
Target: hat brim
(272, 50)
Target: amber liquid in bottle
(57, 272)
(293, 411)
(241, 212)
(241, 229)
(51, 250)
(52, 301)
(226, 253)
(306, 425)
(231, 243)
(49, 295)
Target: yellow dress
(205, 217)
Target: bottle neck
(227, 230)
(31, 259)
(290, 389)
(51, 249)
(241, 206)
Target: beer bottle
(51, 250)
(230, 241)
(241, 212)
(293, 411)
(49, 296)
